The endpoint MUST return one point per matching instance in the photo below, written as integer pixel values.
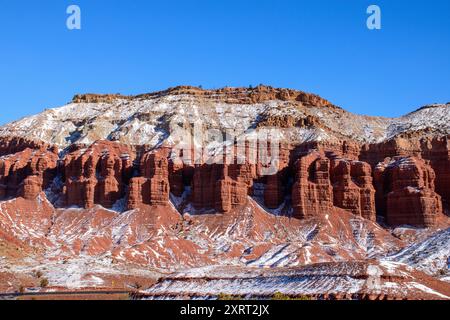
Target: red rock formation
(405, 187)
(258, 94)
(97, 175)
(312, 193)
(206, 186)
(137, 194)
(435, 149)
(362, 175)
(352, 187)
(275, 184)
(31, 187)
(176, 178)
(274, 191)
(229, 194)
(80, 179)
(101, 173)
(156, 169)
(109, 183)
(225, 186)
(221, 186)
(16, 168)
(153, 187)
(12, 145)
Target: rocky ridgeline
(405, 181)
(230, 95)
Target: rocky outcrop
(406, 192)
(220, 186)
(436, 149)
(322, 182)
(226, 184)
(179, 174)
(12, 145)
(252, 95)
(407, 188)
(155, 169)
(312, 193)
(274, 190)
(31, 187)
(152, 187)
(288, 121)
(97, 175)
(352, 187)
(27, 173)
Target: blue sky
(320, 46)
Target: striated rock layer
(352, 187)
(120, 152)
(407, 193)
(312, 193)
(96, 175)
(313, 179)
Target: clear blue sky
(140, 46)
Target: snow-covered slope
(351, 280)
(431, 255)
(151, 119)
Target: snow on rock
(345, 280)
(151, 119)
(430, 255)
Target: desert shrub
(281, 296)
(224, 297)
(137, 286)
(44, 283)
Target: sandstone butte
(404, 179)
(98, 178)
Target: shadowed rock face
(407, 192)
(312, 193)
(352, 187)
(152, 187)
(96, 175)
(26, 173)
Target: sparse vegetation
(442, 272)
(225, 297)
(44, 283)
(136, 286)
(38, 274)
(281, 296)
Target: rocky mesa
(236, 176)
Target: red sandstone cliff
(405, 190)
(338, 161)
